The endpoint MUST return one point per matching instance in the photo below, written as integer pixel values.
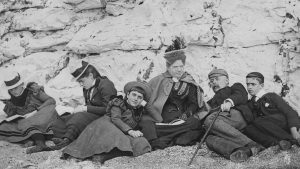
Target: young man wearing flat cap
(226, 137)
(276, 123)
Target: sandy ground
(13, 157)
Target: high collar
(260, 94)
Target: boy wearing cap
(276, 123)
(226, 137)
(97, 92)
(118, 132)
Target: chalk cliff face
(126, 40)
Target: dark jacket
(123, 115)
(272, 104)
(33, 98)
(104, 90)
(238, 94)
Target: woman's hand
(295, 133)
(135, 133)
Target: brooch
(267, 104)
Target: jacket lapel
(95, 91)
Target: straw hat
(12, 80)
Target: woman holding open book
(30, 114)
(175, 99)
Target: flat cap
(217, 72)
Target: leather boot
(240, 155)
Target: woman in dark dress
(117, 133)
(97, 92)
(176, 97)
(38, 110)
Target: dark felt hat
(256, 75)
(172, 56)
(141, 85)
(78, 70)
(217, 72)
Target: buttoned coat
(103, 92)
(238, 94)
(273, 104)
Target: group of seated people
(168, 110)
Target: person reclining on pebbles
(175, 101)
(275, 123)
(117, 133)
(97, 92)
(226, 136)
(34, 111)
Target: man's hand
(295, 133)
(80, 108)
(226, 106)
(135, 133)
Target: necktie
(253, 99)
(254, 102)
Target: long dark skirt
(162, 136)
(102, 136)
(22, 129)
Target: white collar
(92, 90)
(260, 94)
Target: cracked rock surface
(126, 39)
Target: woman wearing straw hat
(97, 92)
(176, 99)
(118, 132)
(37, 109)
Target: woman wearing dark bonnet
(176, 97)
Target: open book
(174, 122)
(17, 116)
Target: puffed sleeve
(105, 92)
(115, 111)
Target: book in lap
(174, 122)
(16, 116)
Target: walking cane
(204, 137)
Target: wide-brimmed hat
(217, 72)
(12, 80)
(78, 69)
(137, 84)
